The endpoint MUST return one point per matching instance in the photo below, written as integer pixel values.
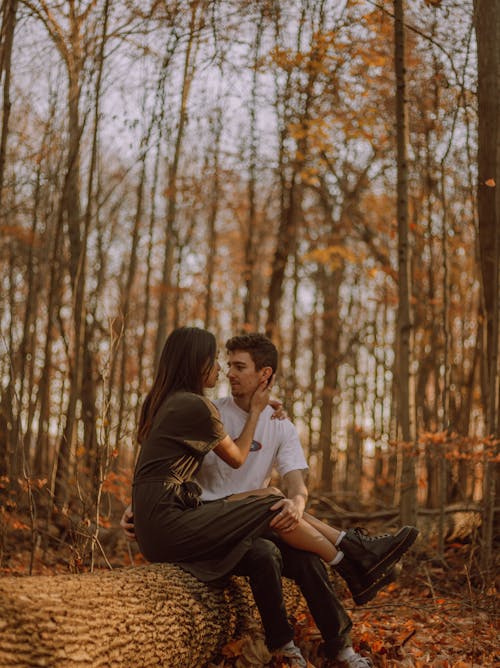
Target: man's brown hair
(260, 348)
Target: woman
(177, 427)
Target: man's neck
(243, 402)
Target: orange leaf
(378, 647)
(233, 648)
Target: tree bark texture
(405, 338)
(9, 10)
(487, 25)
(173, 186)
(155, 615)
(488, 172)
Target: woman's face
(212, 374)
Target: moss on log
(155, 615)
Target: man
(366, 563)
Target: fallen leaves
(402, 628)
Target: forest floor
(438, 614)
(430, 617)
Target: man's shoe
(362, 588)
(373, 556)
(291, 655)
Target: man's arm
(292, 508)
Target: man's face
(243, 375)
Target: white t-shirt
(276, 444)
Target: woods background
(250, 165)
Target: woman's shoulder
(183, 409)
(183, 400)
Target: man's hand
(292, 508)
(279, 410)
(291, 512)
(127, 523)
(260, 398)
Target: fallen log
(154, 615)
(460, 520)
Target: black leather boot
(373, 556)
(362, 589)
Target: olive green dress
(171, 522)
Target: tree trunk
(9, 10)
(74, 61)
(405, 403)
(212, 219)
(250, 304)
(172, 187)
(488, 109)
(487, 20)
(156, 615)
(41, 455)
(330, 286)
(126, 300)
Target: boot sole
(372, 590)
(395, 555)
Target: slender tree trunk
(353, 452)
(149, 268)
(126, 296)
(41, 458)
(250, 304)
(172, 187)
(72, 208)
(33, 286)
(7, 412)
(159, 114)
(9, 9)
(89, 376)
(212, 219)
(487, 23)
(290, 191)
(313, 369)
(405, 399)
(330, 285)
(11, 399)
(291, 376)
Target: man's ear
(267, 373)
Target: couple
(234, 523)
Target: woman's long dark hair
(188, 354)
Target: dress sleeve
(201, 427)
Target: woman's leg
(305, 536)
(267, 491)
(329, 532)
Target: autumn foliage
(234, 165)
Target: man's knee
(264, 552)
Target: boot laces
(363, 533)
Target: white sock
(337, 559)
(345, 654)
(341, 535)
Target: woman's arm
(235, 452)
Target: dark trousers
(265, 564)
